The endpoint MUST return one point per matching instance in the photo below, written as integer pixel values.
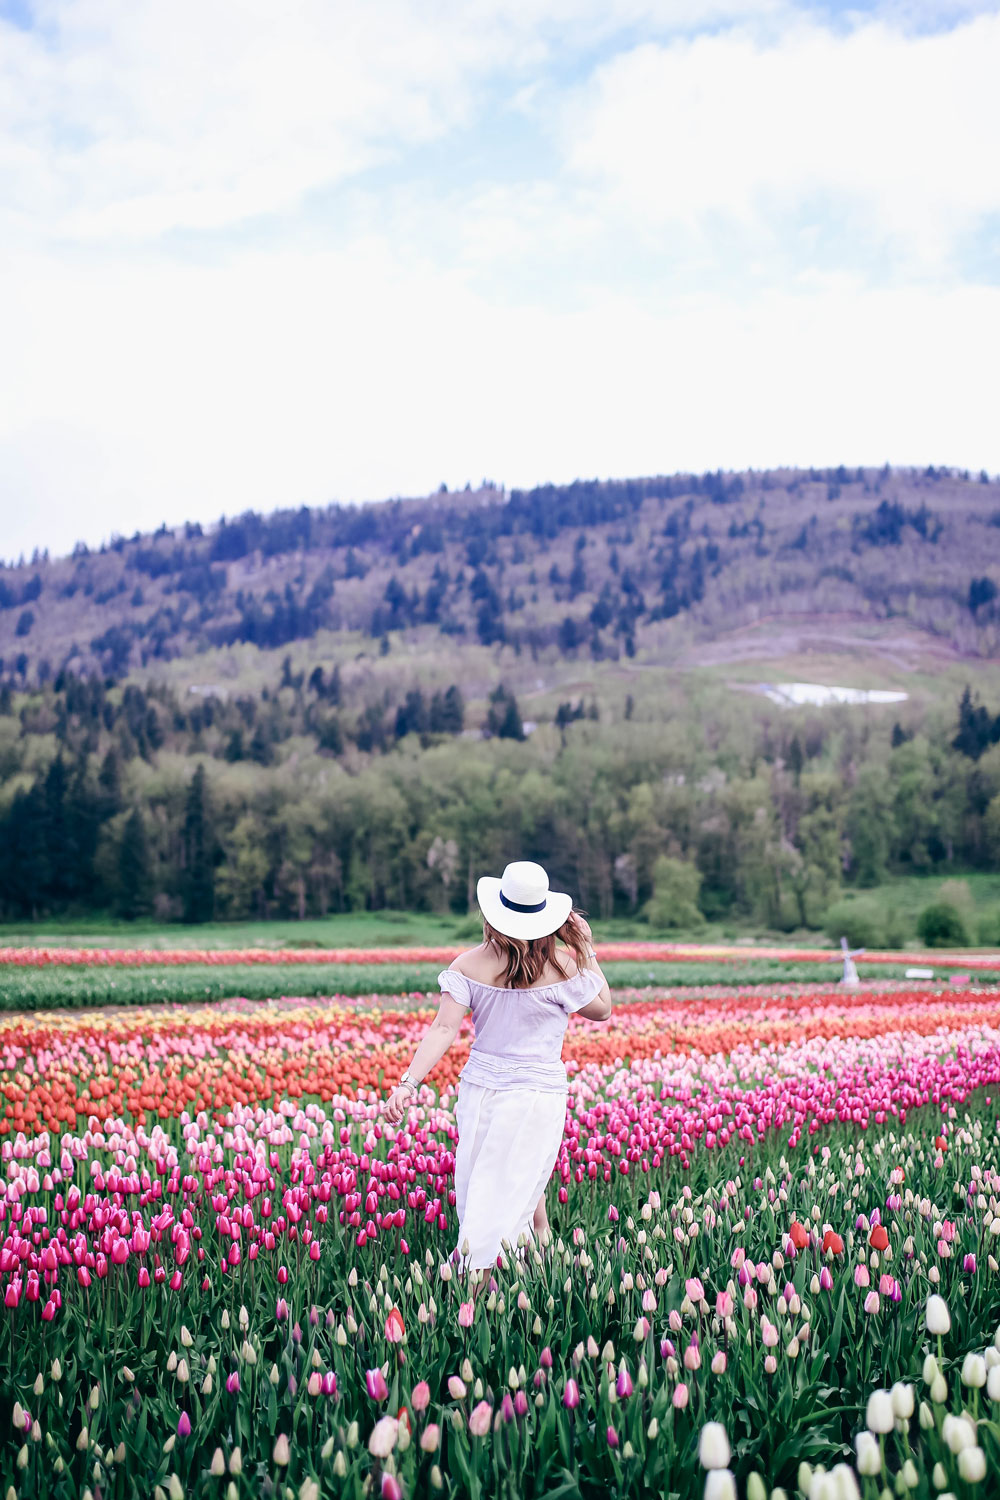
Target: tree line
(719, 808)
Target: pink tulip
(872, 1302)
(430, 1438)
(480, 1418)
(184, 1425)
(623, 1384)
(375, 1382)
(466, 1312)
(571, 1394)
(420, 1396)
(612, 1438)
(680, 1396)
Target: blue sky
(260, 255)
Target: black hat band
(518, 906)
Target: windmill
(848, 955)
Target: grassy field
(904, 897)
(84, 988)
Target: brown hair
(525, 961)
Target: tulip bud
(713, 1446)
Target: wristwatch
(406, 1081)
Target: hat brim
(524, 925)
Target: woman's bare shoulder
(474, 963)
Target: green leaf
(833, 1343)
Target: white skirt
(508, 1140)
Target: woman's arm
(599, 1009)
(436, 1040)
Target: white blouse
(519, 1033)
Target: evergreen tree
(83, 819)
(447, 714)
(199, 867)
(109, 781)
(60, 853)
(135, 879)
(27, 852)
(504, 718)
(975, 727)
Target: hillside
(354, 709)
(591, 570)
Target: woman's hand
(398, 1103)
(584, 927)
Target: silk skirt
(508, 1140)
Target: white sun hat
(520, 904)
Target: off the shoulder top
(519, 1033)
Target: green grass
(906, 896)
(28, 989)
(382, 929)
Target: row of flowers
(222, 1273)
(617, 1349)
(699, 1070)
(621, 952)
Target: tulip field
(772, 1266)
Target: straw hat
(520, 904)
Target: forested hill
(586, 568)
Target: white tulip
(938, 1316)
(823, 1486)
(720, 1485)
(902, 1401)
(958, 1432)
(847, 1485)
(972, 1465)
(974, 1371)
(713, 1446)
(879, 1416)
(869, 1457)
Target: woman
(535, 967)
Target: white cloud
(730, 133)
(663, 288)
(316, 377)
(138, 119)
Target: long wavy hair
(524, 962)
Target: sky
(259, 255)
